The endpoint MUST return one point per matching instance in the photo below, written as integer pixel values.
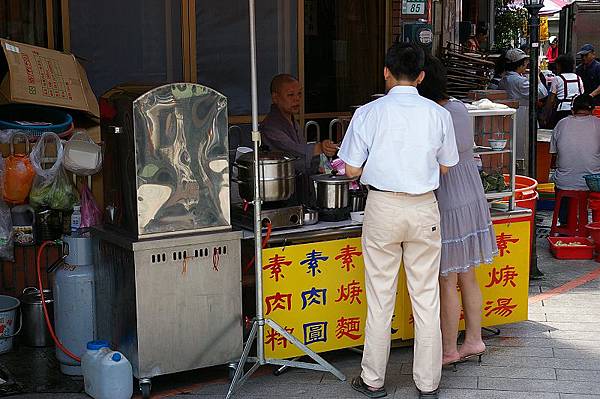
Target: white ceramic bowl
(497, 144)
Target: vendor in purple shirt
(280, 131)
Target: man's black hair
(583, 102)
(405, 60)
(434, 86)
(566, 63)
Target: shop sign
(316, 292)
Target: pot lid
(267, 157)
(333, 178)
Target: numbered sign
(413, 7)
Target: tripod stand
(258, 324)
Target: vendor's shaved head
(279, 80)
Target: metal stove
(279, 217)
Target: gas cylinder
(74, 302)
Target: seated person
(280, 131)
(575, 148)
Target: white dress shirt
(401, 139)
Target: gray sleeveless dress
(468, 237)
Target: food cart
(313, 275)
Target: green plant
(510, 23)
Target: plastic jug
(106, 374)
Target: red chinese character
(502, 241)
(411, 319)
(346, 327)
(275, 264)
(503, 309)
(350, 292)
(278, 301)
(346, 255)
(274, 338)
(505, 275)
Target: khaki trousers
(402, 227)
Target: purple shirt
(280, 134)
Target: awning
(550, 6)
(553, 6)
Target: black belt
(376, 189)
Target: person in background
(280, 131)
(565, 86)
(575, 149)
(552, 53)
(468, 237)
(399, 143)
(475, 43)
(516, 85)
(499, 69)
(589, 70)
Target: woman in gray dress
(468, 238)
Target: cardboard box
(492, 95)
(37, 75)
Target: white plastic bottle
(75, 220)
(106, 374)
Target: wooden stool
(577, 216)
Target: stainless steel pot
(35, 331)
(277, 176)
(358, 199)
(332, 191)
(270, 190)
(311, 216)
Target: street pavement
(554, 355)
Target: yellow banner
(316, 292)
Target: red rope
(46, 317)
(264, 245)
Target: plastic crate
(593, 182)
(585, 251)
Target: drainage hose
(46, 317)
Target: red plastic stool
(594, 205)
(577, 216)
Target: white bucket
(8, 313)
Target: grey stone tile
(578, 326)
(511, 351)
(523, 385)
(577, 396)
(532, 362)
(578, 317)
(472, 369)
(576, 335)
(576, 354)
(578, 375)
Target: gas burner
(285, 217)
(334, 214)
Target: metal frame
(258, 324)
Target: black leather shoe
(429, 395)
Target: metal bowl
(311, 216)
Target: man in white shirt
(399, 143)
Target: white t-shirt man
(402, 139)
(574, 88)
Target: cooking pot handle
(27, 290)
(237, 165)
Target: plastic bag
(90, 213)
(6, 230)
(51, 187)
(82, 156)
(18, 174)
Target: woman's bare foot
(468, 349)
(450, 358)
